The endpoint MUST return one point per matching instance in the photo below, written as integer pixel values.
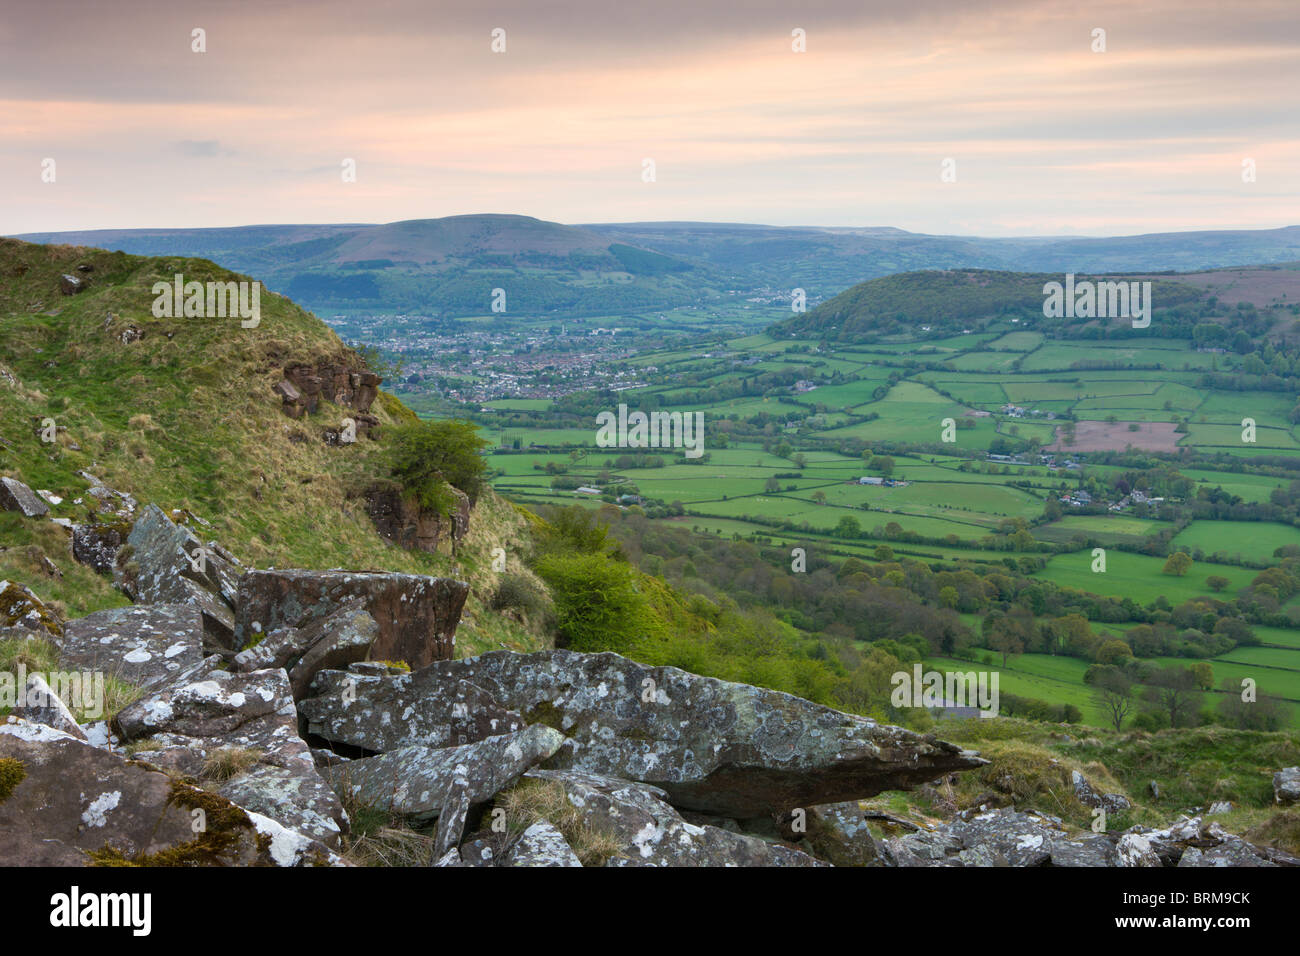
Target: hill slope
(182, 412)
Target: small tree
(1216, 582)
(1113, 692)
(1179, 563)
(425, 457)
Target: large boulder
(335, 640)
(167, 563)
(147, 646)
(714, 746)
(648, 831)
(417, 615)
(77, 805)
(364, 710)
(16, 496)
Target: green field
(1250, 540)
(1139, 577)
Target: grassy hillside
(181, 412)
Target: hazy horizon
(1046, 136)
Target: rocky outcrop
(406, 524)
(167, 563)
(242, 727)
(77, 805)
(304, 385)
(1286, 786)
(417, 615)
(714, 746)
(16, 496)
(146, 646)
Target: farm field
(1254, 541)
(1139, 576)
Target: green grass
(1252, 540)
(1140, 577)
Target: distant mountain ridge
(450, 265)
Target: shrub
(597, 604)
(427, 456)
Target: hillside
(937, 303)
(182, 412)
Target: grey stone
(1286, 786)
(146, 646)
(541, 845)
(415, 781)
(367, 710)
(16, 496)
(41, 705)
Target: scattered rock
(71, 285)
(1004, 837)
(838, 834)
(97, 543)
(16, 496)
(541, 845)
(1219, 807)
(20, 608)
(1089, 797)
(417, 615)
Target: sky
(996, 118)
